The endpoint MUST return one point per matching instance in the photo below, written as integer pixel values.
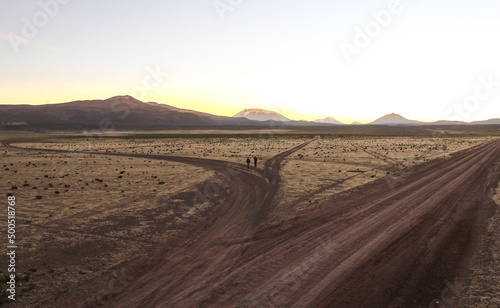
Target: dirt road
(386, 244)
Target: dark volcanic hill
(120, 112)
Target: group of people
(255, 159)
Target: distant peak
(255, 110)
(394, 115)
(260, 115)
(123, 97)
(329, 120)
(393, 119)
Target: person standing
(248, 162)
(255, 161)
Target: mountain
(356, 123)
(394, 119)
(261, 115)
(120, 112)
(329, 120)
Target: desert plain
(146, 205)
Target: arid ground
(323, 221)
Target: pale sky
(426, 60)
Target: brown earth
(395, 242)
(484, 289)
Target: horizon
(349, 61)
(248, 109)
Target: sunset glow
(423, 60)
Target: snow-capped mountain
(260, 115)
(329, 120)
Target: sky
(350, 60)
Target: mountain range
(394, 119)
(126, 112)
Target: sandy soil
(224, 148)
(310, 235)
(388, 247)
(333, 165)
(80, 215)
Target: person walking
(248, 162)
(255, 161)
